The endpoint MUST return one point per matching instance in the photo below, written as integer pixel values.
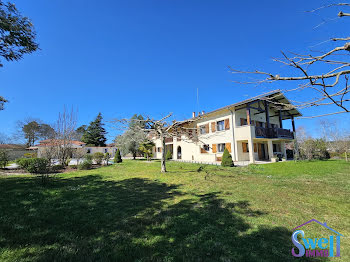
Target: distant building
(111, 149)
(14, 151)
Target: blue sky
(150, 56)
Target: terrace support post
(270, 148)
(251, 151)
(248, 116)
(293, 124)
(296, 146)
(267, 114)
(280, 118)
(283, 149)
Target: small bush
(226, 159)
(23, 162)
(168, 155)
(57, 168)
(106, 157)
(4, 158)
(89, 157)
(38, 166)
(85, 165)
(118, 157)
(98, 157)
(67, 161)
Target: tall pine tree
(95, 133)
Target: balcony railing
(262, 132)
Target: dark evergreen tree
(118, 157)
(80, 131)
(95, 133)
(226, 159)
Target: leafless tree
(303, 146)
(79, 154)
(4, 139)
(163, 129)
(65, 133)
(49, 152)
(337, 139)
(324, 73)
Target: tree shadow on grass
(91, 219)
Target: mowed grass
(132, 212)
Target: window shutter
(242, 121)
(203, 151)
(255, 148)
(245, 149)
(213, 127)
(207, 128)
(227, 124)
(228, 147)
(214, 148)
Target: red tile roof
(53, 142)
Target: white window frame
(223, 125)
(202, 130)
(206, 147)
(223, 145)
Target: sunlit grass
(133, 212)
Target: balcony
(262, 132)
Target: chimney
(193, 114)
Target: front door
(261, 151)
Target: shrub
(226, 159)
(38, 166)
(67, 161)
(314, 149)
(23, 162)
(4, 158)
(85, 165)
(168, 155)
(89, 157)
(118, 157)
(56, 168)
(98, 157)
(106, 158)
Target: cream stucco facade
(250, 130)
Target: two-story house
(250, 130)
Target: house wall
(14, 154)
(236, 135)
(110, 150)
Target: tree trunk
(163, 167)
(346, 156)
(134, 155)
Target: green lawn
(132, 212)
